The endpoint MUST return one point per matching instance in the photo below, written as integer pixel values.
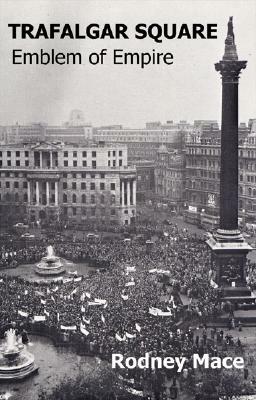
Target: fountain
(16, 362)
(50, 265)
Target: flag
(100, 301)
(82, 297)
(37, 293)
(66, 280)
(72, 273)
(73, 291)
(137, 327)
(56, 288)
(103, 319)
(82, 309)
(43, 302)
(154, 311)
(129, 336)
(152, 271)
(53, 299)
(132, 283)
(47, 313)
(93, 303)
(105, 305)
(164, 313)
(119, 338)
(68, 328)
(26, 292)
(130, 269)
(58, 317)
(87, 295)
(83, 330)
(124, 297)
(39, 318)
(22, 313)
(78, 279)
(87, 321)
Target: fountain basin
(50, 265)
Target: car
(27, 236)
(20, 225)
(92, 236)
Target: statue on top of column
(230, 29)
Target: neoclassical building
(57, 181)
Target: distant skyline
(120, 94)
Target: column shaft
(134, 193)
(50, 159)
(128, 191)
(41, 159)
(47, 193)
(37, 193)
(28, 193)
(122, 191)
(56, 193)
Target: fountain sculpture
(16, 362)
(50, 265)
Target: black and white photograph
(127, 200)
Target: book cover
(127, 199)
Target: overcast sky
(115, 94)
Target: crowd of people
(133, 307)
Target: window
(108, 153)
(84, 163)
(65, 175)
(7, 184)
(83, 185)
(113, 199)
(113, 211)
(65, 185)
(108, 163)
(73, 185)
(8, 154)
(114, 163)
(102, 199)
(74, 163)
(26, 153)
(83, 175)
(17, 153)
(73, 198)
(93, 154)
(93, 212)
(25, 198)
(83, 198)
(1, 153)
(26, 163)
(74, 153)
(114, 153)
(93, 164)
(17, 163)
(120, 153)
(74, 210)
(65, 198)
(112, 186)
(9, 163)
(92, 176)
(74, 176)
(92, 186)
(93, 199)
(102, 186)
(84, 154)
(16, 197)
(65, 153)
(25, 185)
(65, 163)
(120, 163)
(53, 185)
(102, 176)
(16, 185)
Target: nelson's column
(228, 247)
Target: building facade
(203, 174)
(63, 182)
(144, 143)
(170, 178)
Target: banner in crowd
(68, 328)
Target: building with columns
(67, 182)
